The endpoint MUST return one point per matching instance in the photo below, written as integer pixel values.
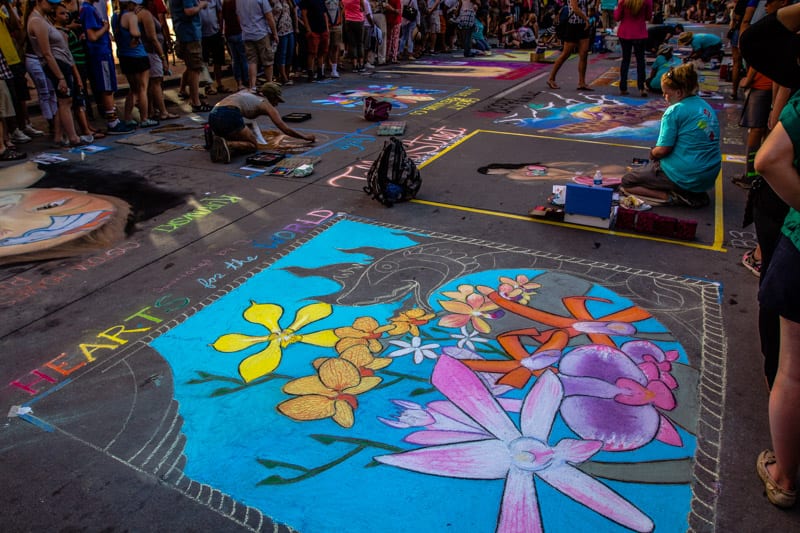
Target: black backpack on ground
(393, 176)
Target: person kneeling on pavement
(687, 158)
(226, 121)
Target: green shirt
(790, 118)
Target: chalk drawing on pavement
(374, 356)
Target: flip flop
(585, 88)
(553, 85)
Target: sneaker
(18, 137)
(120, 129)
(148, 123)
(220, 153)
(751, 263)
(30, 131)
(335, 74)
(369, 66)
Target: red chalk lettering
(141, 314)
(112, 332)
(65, 368)
(28, 387)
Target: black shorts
(225, 120)
(214, 49)
(756, 108)
(66, 71)
(781, 285)
(19, 87)
(134, 65)
(574, 33)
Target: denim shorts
(225, 120)
(781, 284)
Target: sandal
(202, 108)
(778, 496)
(12, 155)
(584, 88)
(168, 116)
(98, 135)
(553, 85)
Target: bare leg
(565, 53)
(243, 141)
(784, 421)
(193, 80)
(64, 117)
(583, 61)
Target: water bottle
(598, 178)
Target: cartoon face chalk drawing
(36, 219)
(417, 365)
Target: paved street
(272, 353)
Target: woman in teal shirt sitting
(687, 159)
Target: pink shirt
(633, 27)
(353, 11)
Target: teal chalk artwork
(378, 378)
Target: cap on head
(54, 2)
(272, 92)
(664, 50)
(685, 38)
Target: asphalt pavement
(129, 408)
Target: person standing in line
(392, 10)
(576, 35)
(188, 31)
(133, 61)
(410, 14)
(379, 21)
(93, 17)
(315, 20)
(632, 16)
(285, 16)
(156, 47)
(233, 36)
(51, 45)
(7, 153)
(466, 25)
(20, 128)
(260, 37)
(213, 43)
(777, 162)
(335, 11)
(354, 16)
